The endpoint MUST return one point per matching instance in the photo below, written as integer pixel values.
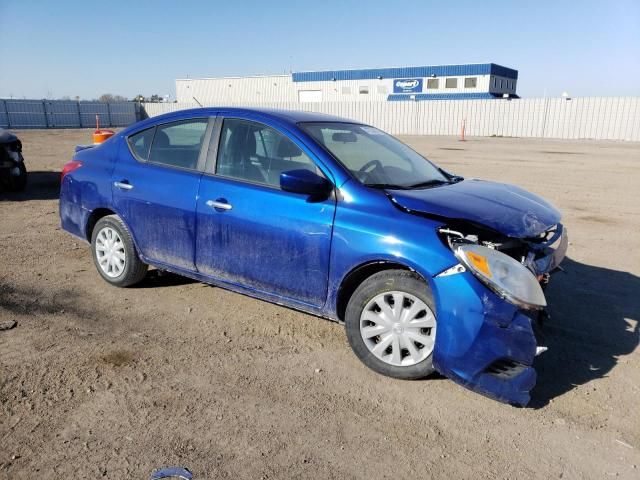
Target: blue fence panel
(65, 114)
(88, 112)
(4, 118)
(123, 114)
(26, 114)
(61, 114)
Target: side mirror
(304, 181)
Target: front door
(252, 233)
(155, 185)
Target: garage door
(309, 95)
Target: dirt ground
(100, 382)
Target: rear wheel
(114, 253)
(391, 325)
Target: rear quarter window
(140, 143)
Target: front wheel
(391, 326)
(114, 253)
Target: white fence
(606, 118)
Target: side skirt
(248, 291)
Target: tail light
(69, 167)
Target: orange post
(462, 129)
(100, 136)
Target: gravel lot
(113, 383)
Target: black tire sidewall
(381, 282)
(133, 264)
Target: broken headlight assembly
(507, 277)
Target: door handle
(123, 185)
(219, 204)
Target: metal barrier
(601, 118)
(66, 114)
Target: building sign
(407, 85)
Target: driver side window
(254, 152)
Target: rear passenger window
(178, 144)
(140, 143)
(257, 153)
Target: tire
(396, 350)
(114, 253)
(17, 183)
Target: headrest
(286, 148)
(161, 139)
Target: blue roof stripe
(443, 96)
(405, 72)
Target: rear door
(155, 185)
(252, 233)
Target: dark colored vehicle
(13, 172)
(428, 271)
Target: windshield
(375, 158)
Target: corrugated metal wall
(280, 88)
(65, 114)
(603, 118)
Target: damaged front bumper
(484, 342)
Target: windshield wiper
(390, 186)
(429, 183)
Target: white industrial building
(443, 82)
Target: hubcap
(110, 252)
(398, 328)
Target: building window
(471, 82)
(433, 83)
(363, 90)
(451, 83)
(346, 90)
(495, 82)
(381, 89)
(501, 84)
(311, 96)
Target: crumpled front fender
(483, 342)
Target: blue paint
(505, 208)
(445, 96)
(407, 72)
(296, 250)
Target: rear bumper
(73, 217)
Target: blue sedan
(427, 270)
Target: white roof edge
(233, 78)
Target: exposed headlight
(502, 274)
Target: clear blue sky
(57, 48)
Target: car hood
(504, 208)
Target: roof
(403, 72)
(290, 117)
(447, 96)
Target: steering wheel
(366, 169)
